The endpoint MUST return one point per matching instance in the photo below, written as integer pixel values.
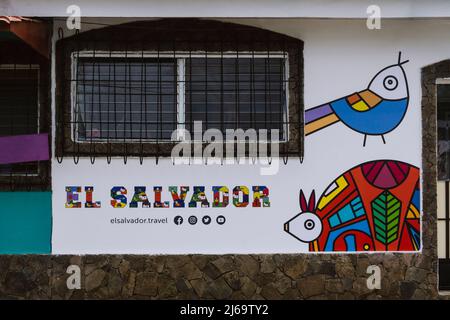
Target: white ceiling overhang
(343, 9)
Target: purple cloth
(317, 112)
(24, 148)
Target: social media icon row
(192, 220)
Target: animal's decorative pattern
(374, 206)
(377, 110)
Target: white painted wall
(340, 57)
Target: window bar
(266, 91)
(181, 97)
(282, 107)
(59, 129)
(126, 96)
(174, 98)
(142, 105)
(74, 121)
(100, 123)
(222, 116)
(206, 88)
(237, 97)
(11, 124)
(191, 128)
(129, 135)
(300, 109)
(11, 132)
(27, 125)
(41, 122)
(60, 124)
(159, 104)
(91, 144)
(12, 184)
(269, 82)
(113, 85)
(252, 97)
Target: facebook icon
(178, 220)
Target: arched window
(136, 89)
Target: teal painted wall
(25, 222)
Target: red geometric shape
(385, 179)
(372, 170)
(385, 174)
(399, 170)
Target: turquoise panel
(346, 213)
(357, 206)
(334, 220)
(25, 222)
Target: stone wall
(219, 277)
(303, 276)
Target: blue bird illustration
(375, 111)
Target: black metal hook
(60, 33)
(108, 154)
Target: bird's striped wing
(363, 100)
(318, 118)
(323, 116)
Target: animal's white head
(391, 83)
(306, 226)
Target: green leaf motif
(386, 217)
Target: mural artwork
(375, 111)
(371, 207)
(374, 206)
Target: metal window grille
(245, 91)
(124, 99)
(127, 97)
(23, 110)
